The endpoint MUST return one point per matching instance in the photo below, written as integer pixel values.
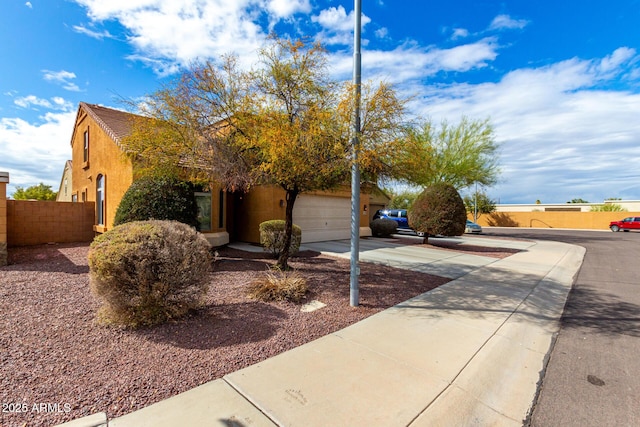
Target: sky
(559, 80)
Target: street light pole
(355, 169)
(475, 204)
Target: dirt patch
(467, 248)
(58, 365)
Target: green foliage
(161, 198)
(438, 210)
(383, 227)
(608, 207)
(273, 237)
(403, 199)
(485, 205)
(35, 192)
(577, 201)
(459, 155)
(278, 285)
(147, 272)
(286, 122)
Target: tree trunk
(288, 230)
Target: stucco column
(4, 180)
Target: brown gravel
(58, 365)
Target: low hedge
(272, 237)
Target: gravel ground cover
(57, 364)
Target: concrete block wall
(4, 180)
(31, 222)
(574, 220)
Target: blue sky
(560, 80)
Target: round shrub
(438, 210)
(146, 272)
(161, 198)
(272, 237)
(383, 227)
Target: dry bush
(147, 272)
(278, 285)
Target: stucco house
(64, 191)
(102, 173)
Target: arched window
(100, 199)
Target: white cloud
(167, 35)
(408, 63)
(560, 133)
(31, 100)
(286, 8)
(335, 19)
(337, 25)
(91, 33)
(58, 76)
(29, 5)
(382, 33)
(34, 153)
(505, 22)
(62, 78)
(614, 63)
(459, 33)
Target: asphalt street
(593, 374)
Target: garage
(322, 218)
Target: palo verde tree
(460, 155)
(286, 122)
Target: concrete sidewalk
(470, 352)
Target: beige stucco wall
(267, 202)
(105, 158)
(66, 184)
(574, 220)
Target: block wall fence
(574, 220)
(4, 180)
(35, 222)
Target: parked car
(398, 215)
(472, 227)
(629, 223)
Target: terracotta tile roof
(116, 123)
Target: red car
(630, 223)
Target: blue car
(398, 215)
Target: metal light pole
(355, 169)
(475, 204)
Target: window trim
(101, 187)
(85, 149)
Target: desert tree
(35, 192)
(285, 122)
(460, 155)
(479, 203)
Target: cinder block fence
(4, 180)
(35, 222)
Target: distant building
(629, 205)
(64, 192)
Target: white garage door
(323, 217)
